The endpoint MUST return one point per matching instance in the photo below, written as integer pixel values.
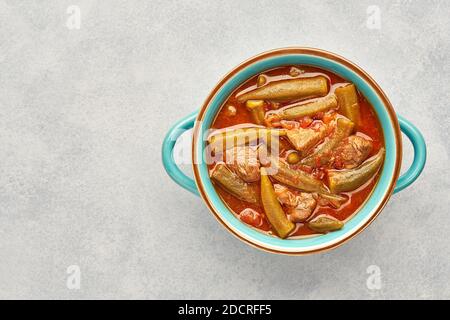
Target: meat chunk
(305, 207)
(231, 183)
(304, 139)
(351, 152)
(285, 196)
(244, 162)
(251, 217)
(300, 205)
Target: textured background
(83, 114)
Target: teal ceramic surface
(323, 60)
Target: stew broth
(235, 112)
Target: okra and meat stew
(295, 151)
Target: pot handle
(167, 153)
(420, 154)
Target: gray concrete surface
(83, 113)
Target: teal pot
(389, 182)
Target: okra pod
(256, 108)
(295, 178)
(322, 154)
(348, 102)
(351, 179)
(325, 223)
(231, 183)
(232, 138)
(290, 89)
(307, 109)
(274, 212)
(334, 200)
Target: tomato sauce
(369, 126)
